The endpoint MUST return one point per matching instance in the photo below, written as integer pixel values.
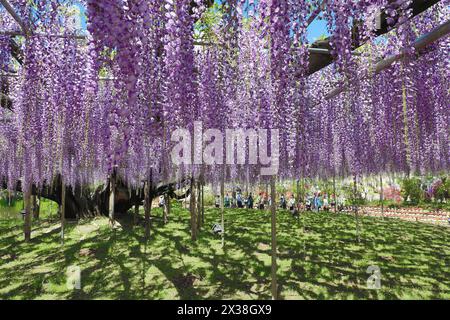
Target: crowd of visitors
(313, 202)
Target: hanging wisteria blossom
(86, 107)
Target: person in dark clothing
(308, 204)
(227, 201)
(250, 201)
(217, 201)
(239, 201)
(283, 203)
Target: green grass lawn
(12, 210)
(319, 258)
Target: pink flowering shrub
(392, 194)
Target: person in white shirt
(162, 202)
(326, 205)
(292, 203)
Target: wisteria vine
(84, 108)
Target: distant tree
(412, 191)
(441, 189)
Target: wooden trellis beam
(422, 42)
(72, 36)
(319, 61)
(62, 36)
(320, 56)
(316, 13)
(15, 16)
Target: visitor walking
(161, 202)
(260, 201)
(318, 203)
(326, 206)
(283, 203)
(239, 201)
(227, 201)
(333, 201)
(292, 203)
(308, 203)
(217, 201)
(250, 201)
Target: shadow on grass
(318, 258)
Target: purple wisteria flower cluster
(85, 108)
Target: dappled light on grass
(319, 258)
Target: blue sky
(317, 29)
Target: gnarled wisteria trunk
(89, 202)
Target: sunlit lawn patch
(319, 258)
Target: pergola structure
(319, 57)
(319, 52)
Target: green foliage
(48, 208)
(393, 205)
(412, 191)
(281, 189)
(15, 206)
(322, 37)
(209, 199)
(205, 26)
(326, 187)
(443, 191)
(354, 197)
